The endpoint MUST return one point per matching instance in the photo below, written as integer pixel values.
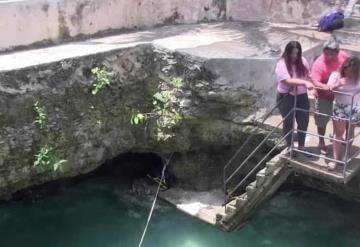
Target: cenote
(96, 94)
(100, 210)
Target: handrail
(347, 142)
(259, 145)
(323, 136)
(260, 162)
(337, 91)
(293, 111)
(253, 134)
(321, 114)
(246, 142)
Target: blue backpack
(333, 20)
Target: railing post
(347, 137)
(293, 125)
(224, 188)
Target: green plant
(46, 159)
(101, 79)
(177, 82)
(163, 111)
(137, 118)
(41, 116)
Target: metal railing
(292, 113)
(348, 141)
(226, 179)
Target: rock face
(87, 129)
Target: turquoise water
(101, 213)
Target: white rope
(154, 202)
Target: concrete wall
(297, 11)
(26, 22)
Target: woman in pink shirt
(292, 73)
(347, 81)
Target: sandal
(331, 166)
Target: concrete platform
(317, 166)
(228, 40)
(202, 205)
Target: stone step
(238, 202)
(260, 177)
(250, 189)
(270, 167)
(230, 209)
(255, 194)
(220, 217)
(244, 196)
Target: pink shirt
(321, 72)
(349, 88)
(283, 74)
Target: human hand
(325, 87)
(332, 87)
(309, 85)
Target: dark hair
(353, 64)
(300, 68)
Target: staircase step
(230, 209)
(244, 196)
(221, 217)
(250, 189)
(260, 177)
(270, 167)
(238, 202)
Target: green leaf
(159, 97)
(177, 82)
(141, 117)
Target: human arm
(299, 82)
(317, 76)
(334, 81)
(284, 76)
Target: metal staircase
(242, 198)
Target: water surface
(101, 213)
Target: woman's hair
(300, 68)
(353, 65)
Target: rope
(154, 202)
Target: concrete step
(244, 196)
(250, 189)
(260, 177)
(238, 202)
(221, 217)
(270, 167)
(255, 195)
(230, 209)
